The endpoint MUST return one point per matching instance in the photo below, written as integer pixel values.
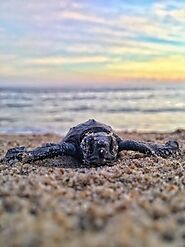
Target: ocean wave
(78, 109)
(58, 109)
(16, 105)
(160, 110)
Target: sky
(91, 42)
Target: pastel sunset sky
(64, 42)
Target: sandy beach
(138, 201)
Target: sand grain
(139, 201)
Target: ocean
(145, 108)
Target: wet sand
(138, 201)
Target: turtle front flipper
(14, 154)
(46, 151)
(170, 148)
(165, 150)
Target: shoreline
(62, 134)
(138, 201)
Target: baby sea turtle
(93, 143)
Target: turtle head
(99, 148)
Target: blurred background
(159, 108)
(63, 62)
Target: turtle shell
(76, 134)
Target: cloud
(50, 61)
(89, 37)
(179, 15)
(76, 16)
